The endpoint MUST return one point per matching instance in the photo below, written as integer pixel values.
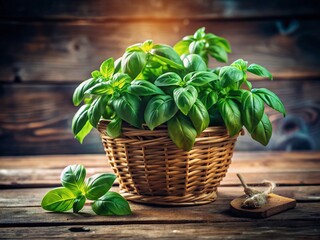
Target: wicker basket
(151, 169)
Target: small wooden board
(276, 204)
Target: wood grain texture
(150, 9)
(36, 119)
(219, 230)
(69, 51)
(283, 168)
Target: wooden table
(24, 181)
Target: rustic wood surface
(70, 51)
(164, 9)
(22, 217)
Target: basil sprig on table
(76, 190)
(155, 84)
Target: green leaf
(252, 110)
(95, 74)
(262, 133)
(259, 71)
(200, 33)
(182, 47)
(208, 97)
(111, 203)
(214, 40)
(132, 63)
(185, 97)
(119, 80)
(168, 79)
(182, 132)
(96, 109)
(144, 88)
(218, 53)
(107, 68)
(194, 62)
(100, 89)
(97, 185)
(159, 110)
(271, 99)
(199, 116)
(229, 75)
(78, 203)
(79, 92)
(72, 177)
(240, 64)
(58, 200)
(201, 78)
(80, 124)
(114, 127)
(127, 107)
(166, 54)
(197, 47)
(231, 115)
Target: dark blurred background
(48, 47)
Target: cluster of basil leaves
(156, 84)
(76, 190)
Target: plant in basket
(168, 122)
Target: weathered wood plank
(59, 51)
(241, 230)
(36, 119)
(283, 168)
(31, 197)
(148, 9)
(214, 212)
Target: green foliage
(156, 84)
(76, 191)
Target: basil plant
(155, 84)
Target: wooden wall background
(48, 47)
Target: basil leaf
(271, 99)
(159, 110)
(199, 116)
(229, 75)
(119, 80)
(182, 132)
(111, 203)
(208, 98)
(80, 124)
(166, 54)
(114, 127)
(194, 62)
(100, 89)
(97, 185)
(127, 107)
(200, 33)
(107, 68)
(201, 78)
(96, 109)
(185, 97)
(240, 64)
(58, 200)
(72, 177)
(252, 109)
(197, 47)
(168, 79)
(182, 47)
(78, 203)
(262, 133)
(214, 40)
(117, 65)
(231, 115)
(259, 71)
(218, 53)
(144, 88)
(79, 92)
(95, 74)
(132, 63)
